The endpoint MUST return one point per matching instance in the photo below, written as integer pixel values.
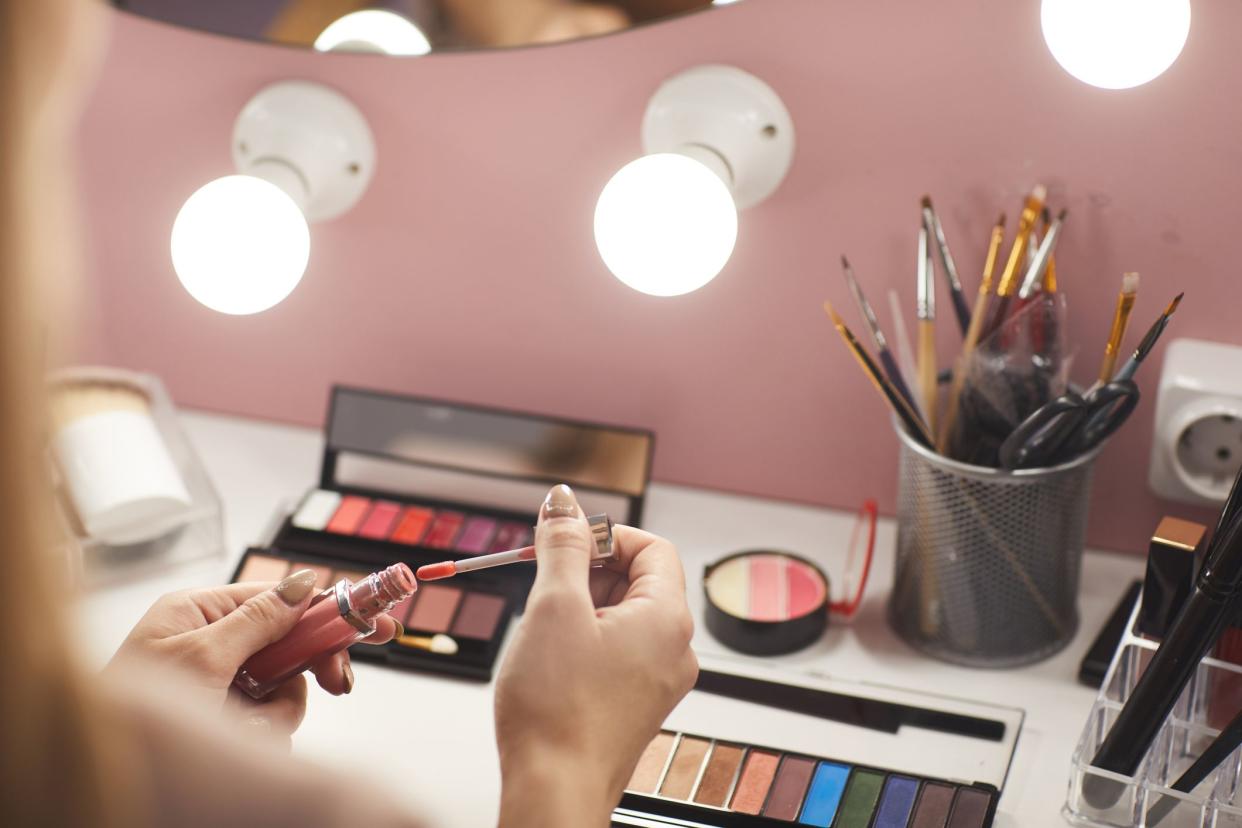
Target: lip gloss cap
(601, 531)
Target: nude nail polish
(337, 618)
(295, 587)
(560, 502)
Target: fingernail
(348, 673)
(294, 588)
(400, 628)
(560, 502)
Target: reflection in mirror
(411, 27)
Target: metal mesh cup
(988, 561)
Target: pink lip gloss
(337, 618)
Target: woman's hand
(583, 690)
(207, 634)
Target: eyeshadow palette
(413, 480)
(758, 786)
(749, 763)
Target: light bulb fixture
(717, 139)
(304, 153)
(1115, 44)
(373, 30)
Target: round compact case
(765, 603)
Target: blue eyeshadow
(824, 797)
(896, 803)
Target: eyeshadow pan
(767, 591)
(970, 808)
(896, 802)
(317, 509)
(806, 588)
(511, 535)
(323, 574)
(349, 515)
(263, 568)
(932, 810)
(861, 794)
(412, 525)
(684, 770)
(752, 786)
(824, 797)
(476, 535)
(480, 613)
(651, 764)
(729, 587)
(434, 606)
(785, 800)
(379, 521)
(717, 782)
(444, 530)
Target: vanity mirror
(411, 27)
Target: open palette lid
(894, 729)
(482, 456)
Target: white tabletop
(446, 765)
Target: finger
(651, 564)
(278, 714)
(265, 617)
(334, 673)
(386, 629)
(562, 548)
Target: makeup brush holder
(1207, 703)
(988, 561)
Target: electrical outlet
(1197, 447)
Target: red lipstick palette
(418, 481)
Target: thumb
(261, 620)
(562, 546)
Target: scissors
(1069, 425)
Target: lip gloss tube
(337, 617)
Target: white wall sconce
(379, 31)
(303, 153)
(717, 139)
(1115, 44)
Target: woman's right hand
(584, 689)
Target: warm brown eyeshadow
(479, 616)
(434, 606)
(718, 779)
(970, 809)
(263, 568)
(651, 764)
(789, 788)
(682, 773)
(932, 809)
(756, 779)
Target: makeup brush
(601, 530)
(877, 335)
(927, 331)
(1034, 278)
(905, 353)
(1008, 280)
(1121, 318)
(1149, 340)
(900, 407)
(1050, 275)
(978, 314)
(440, 644)
(932, 222)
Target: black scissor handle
(1041, 434)
(1109, 406)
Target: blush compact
(766, 603)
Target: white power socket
(1197, 447)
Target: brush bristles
(1000, 222)
(836, 320)
(443, 645)
(845, 263)
(1061, 215)
(926, 202)
(1040, 192)
(1177, 300)
(1129, 284)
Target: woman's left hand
(207, 634)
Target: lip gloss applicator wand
(601, 531)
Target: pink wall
(468, 271)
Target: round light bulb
(665, 224)
(240, 244)
(373, 30)
(1115, 44)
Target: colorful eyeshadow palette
(746, 785)
(730, 762)
(418, 481)
(765, 603)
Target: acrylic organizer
(193, 528)
(988, 561)
(1208, 701)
